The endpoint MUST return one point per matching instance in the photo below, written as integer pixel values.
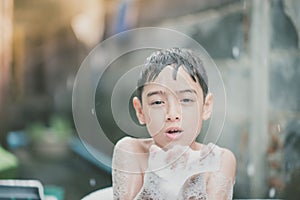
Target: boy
(172, 100)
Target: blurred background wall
(254, 43)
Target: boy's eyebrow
(187, 90)
(154, 93)
(159, 92)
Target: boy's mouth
(173, 132)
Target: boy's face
(173, 110)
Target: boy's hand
(174, 166)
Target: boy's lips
(173, 132)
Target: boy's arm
(220, 184)
(125, 186)
(127, 178)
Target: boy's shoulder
(228, 156)
(225, 153)
(136, 145)
(125, 142)
(228, 163)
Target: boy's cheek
(192, 119)
(191, 113)
(155, 120)
(156, 114)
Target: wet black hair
(176, 57)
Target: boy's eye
(157, 102)
(187, 100)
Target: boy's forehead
(165, 81)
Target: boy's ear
(207, 107)
(138, 110)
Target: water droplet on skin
(93, 111)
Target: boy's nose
(174, 111)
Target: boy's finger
(154, 148)
(177, 150)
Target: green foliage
(35, 130)
(59, 127)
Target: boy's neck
(196, 146)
